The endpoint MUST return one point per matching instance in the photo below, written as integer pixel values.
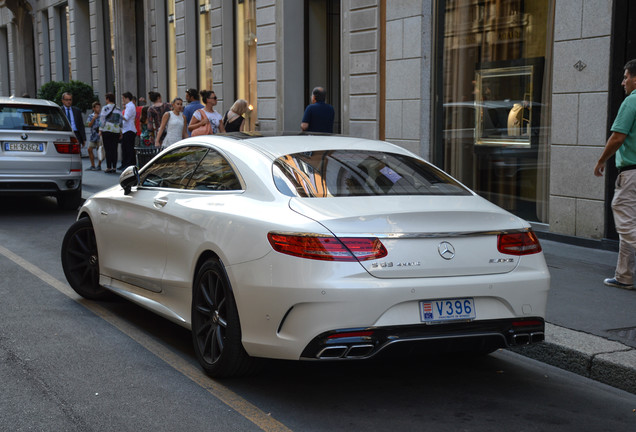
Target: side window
(174, 169)
(214, 174)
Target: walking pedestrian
(622, 143)
(129, 131)
(94, 141)
(233, 120)
(174, 123)
(74, 115)
(318, 116)
(110, 129)
(216, 121)
(155, 114)
(194, 104)
(145, 134)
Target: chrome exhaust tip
(521, 339)
(332, 352)
(537, 337)
(359, 351)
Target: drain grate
(627, 333)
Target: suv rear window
(338, 173)
(32, 117)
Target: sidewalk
(591, 328)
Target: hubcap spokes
(83, 257)
(210, 311)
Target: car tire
(70, 200)
(80, 261)
(216, 330)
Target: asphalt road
(76, 365)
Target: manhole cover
(627, 333)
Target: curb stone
(588, 355)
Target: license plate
(447, 310)
(24, 146)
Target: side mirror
(129, 178)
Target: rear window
(339, 173)
(32, 117)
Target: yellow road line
(221, 392)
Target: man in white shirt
(129, 131)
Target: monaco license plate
(24, 146)
(447, 310)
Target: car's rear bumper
(477, 336)
(46, 184)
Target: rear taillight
(65, 147)
(520, 243)
(327, 248)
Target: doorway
(322, 53)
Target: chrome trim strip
(411, 235)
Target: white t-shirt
(128, 125)
(214, 117)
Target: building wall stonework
(404, 23)
(267, 35)
(579, 116)
(360, 67)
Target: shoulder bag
(204, 129)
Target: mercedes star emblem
(446, 250)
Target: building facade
(512, 97)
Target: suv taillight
(66, 147)
(327, 248)
(520, 243)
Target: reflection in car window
(338, 173)
(214, 173)
(32, 117)
(173, 169)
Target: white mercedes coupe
(312, 248)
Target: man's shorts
(94, 144)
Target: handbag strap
(204, 115)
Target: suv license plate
(24, 146)
(447, 310)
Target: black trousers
(128, 149)
(110, 140)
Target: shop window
(245, 36)
(496, 100)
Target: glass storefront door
(496, 87)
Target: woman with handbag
(206, 119)
(174, 123)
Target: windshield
(32, 117)
(338, 173)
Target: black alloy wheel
(80, 260)
(216, 331)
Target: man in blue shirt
(192, 98)
(622, 142)
(318, 116)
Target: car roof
(26, 101)
(281, 144)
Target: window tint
(173, 169)
(339, 173)
(214, 173)
(32, 117)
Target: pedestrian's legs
(624, 209)
(110, 147)
(91, 156)
(128, 149)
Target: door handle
(160, 202)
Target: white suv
(39, 154)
